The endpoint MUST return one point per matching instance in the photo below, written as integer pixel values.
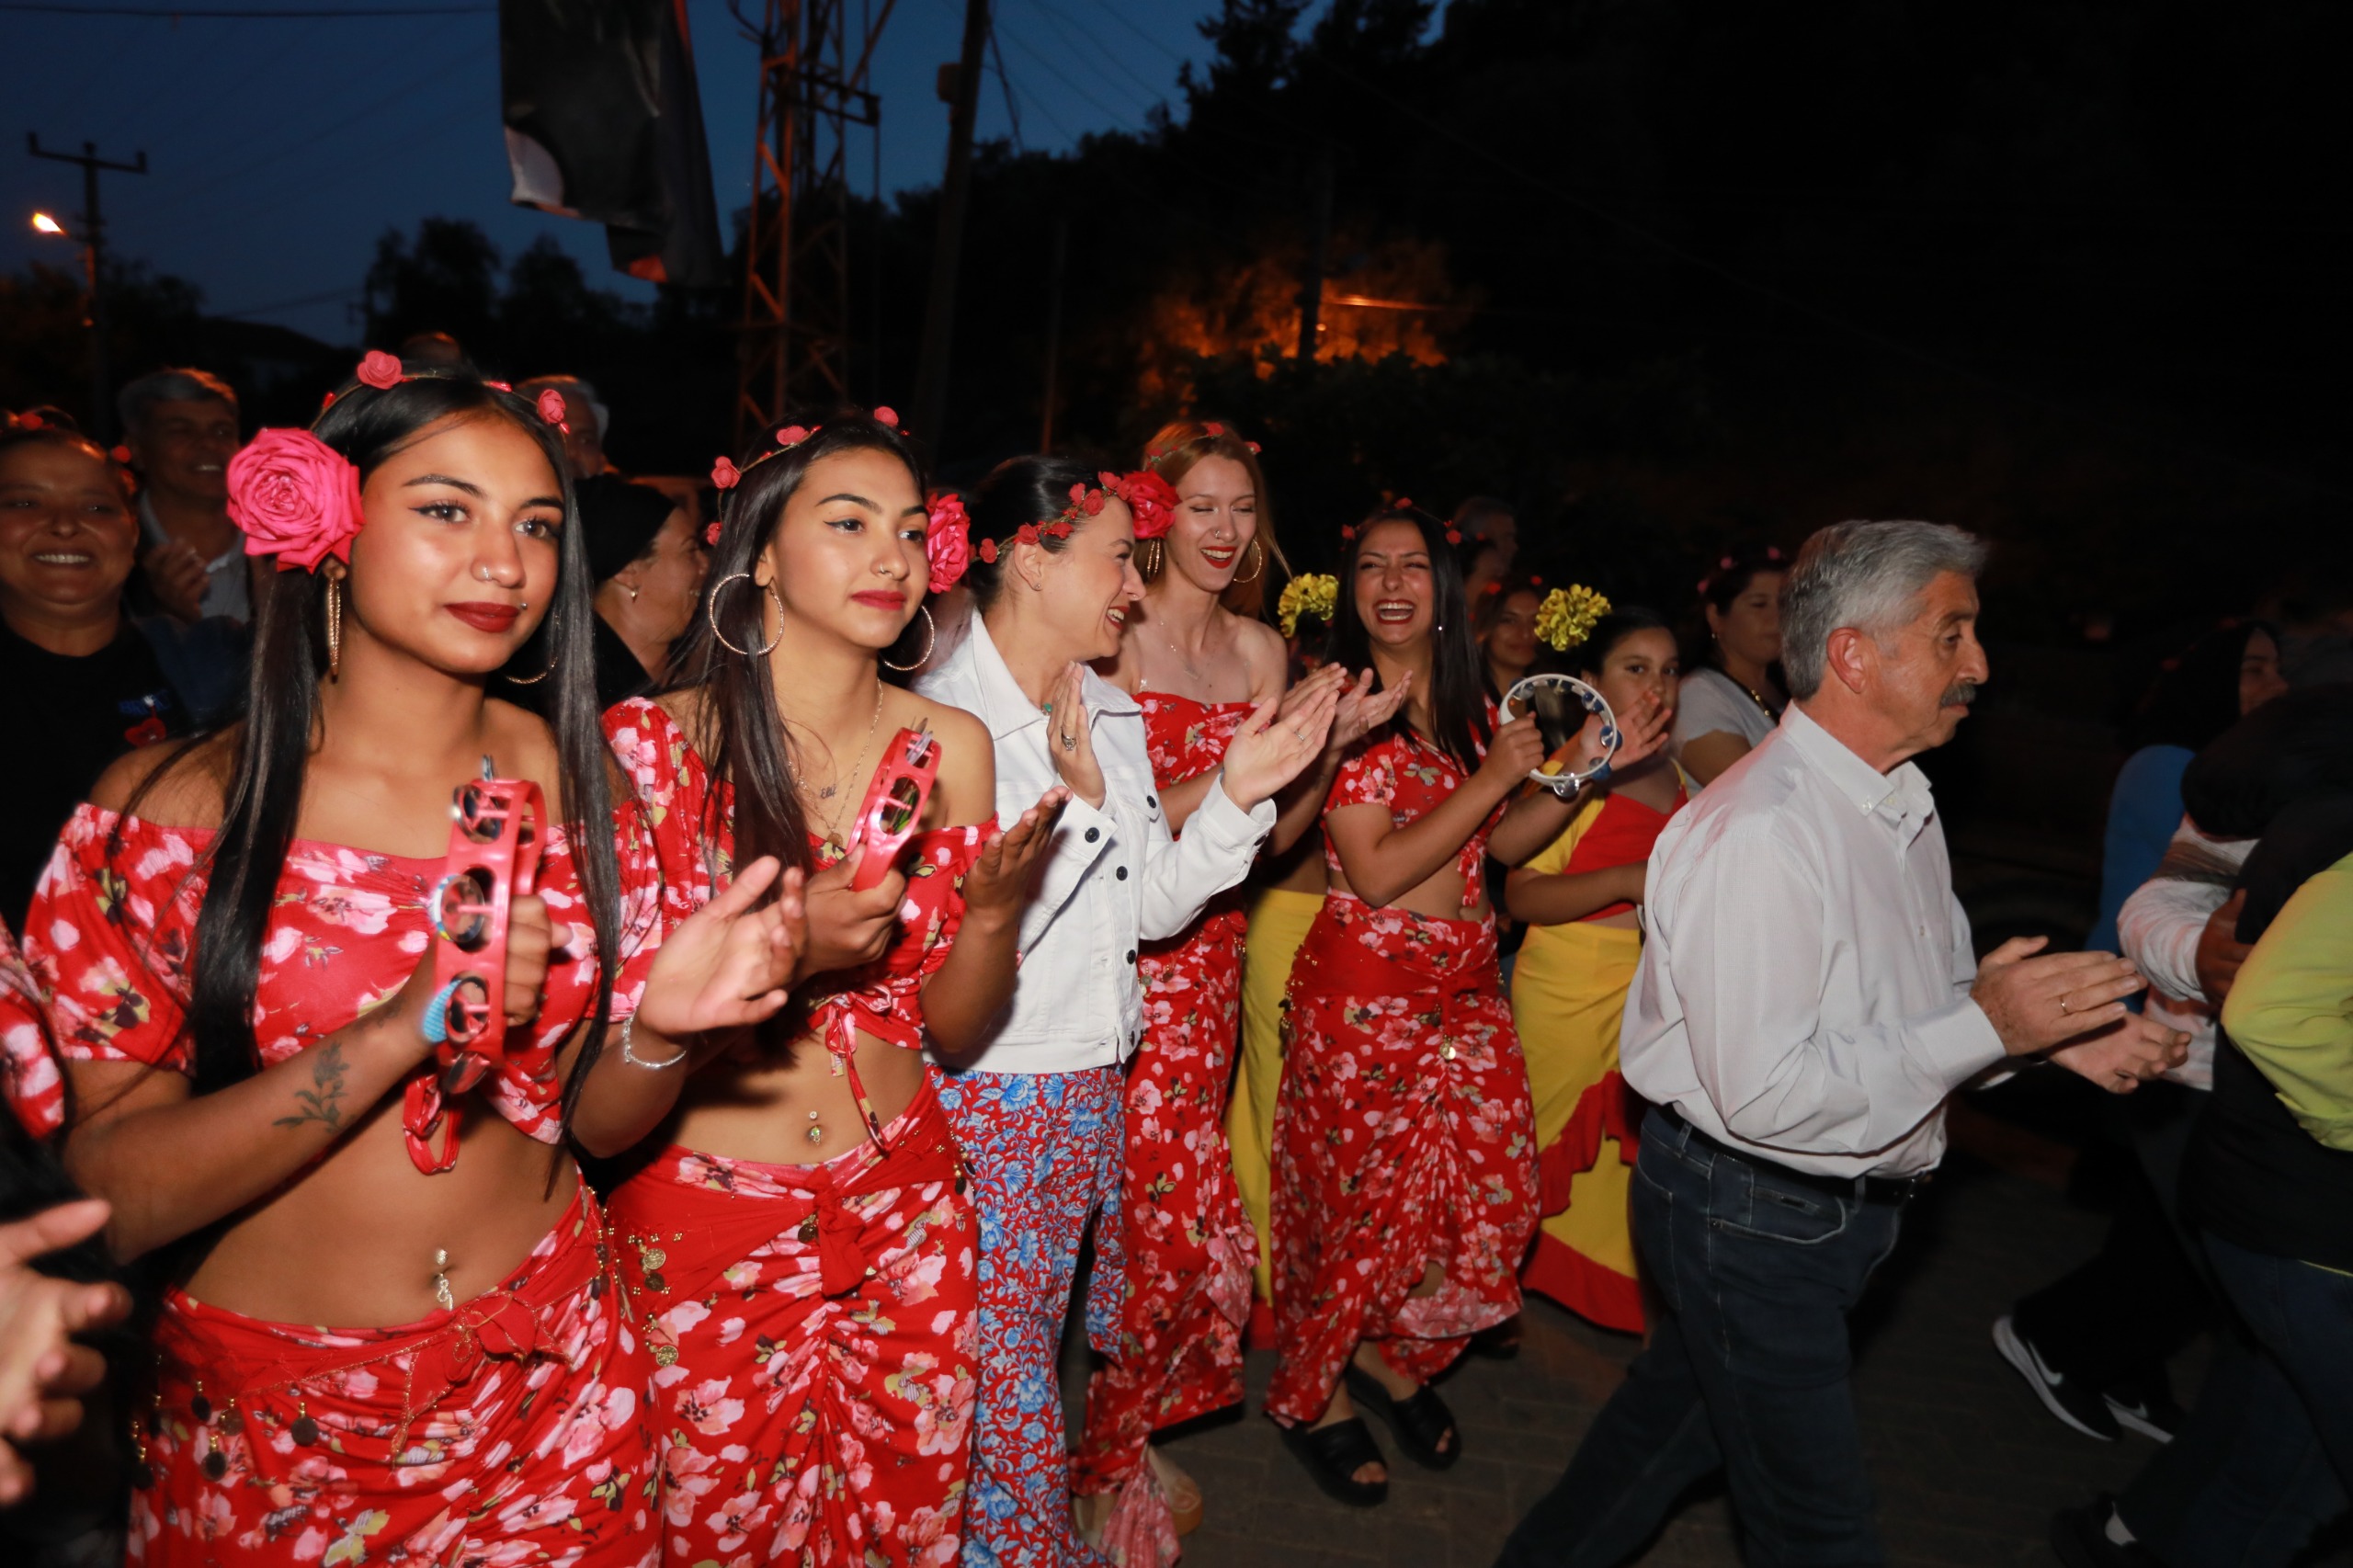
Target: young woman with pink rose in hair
(233, 941)
(799, 1243)
(1197, 660)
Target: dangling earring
(334, 629)
(710, 613)
(930, 636)
(1257, 564)
(1148, 559)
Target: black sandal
(1334, 1454)
(1418, 1422)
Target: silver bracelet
(629, 1028)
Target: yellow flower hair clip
(1567, 616)
(1316, 593)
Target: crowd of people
(957, 909)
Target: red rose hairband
(297, 498)
(1152, 499)
(725, 475)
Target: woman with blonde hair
(1197, 660)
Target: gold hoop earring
(930, 637)
(710, 613)
(334, 629)
(1148, 558)
(534, 680)
(1257, 565)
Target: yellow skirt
(1568, 995)
(1278, 923)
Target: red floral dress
(1403, 1133)
(812, 1324)
(28, 1075)
(505, 1431)
(1190, 1242)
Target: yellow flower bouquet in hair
(1315, 593)
(1567, 616)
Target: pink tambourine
(895, 803)
(495, 848)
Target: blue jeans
(2268, 1458)
(1746, 1370)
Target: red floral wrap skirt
(812, 1333)
(507, 1432)
(1403, 1137)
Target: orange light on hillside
(47, 224)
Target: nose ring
(481, 573)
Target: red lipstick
(880, 598)
(484, 615)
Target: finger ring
(2064, 1007)
(1070, 743)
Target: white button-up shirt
(1803, 989)
(1112, 877)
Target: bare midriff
(760, 1110)
(351, 1241)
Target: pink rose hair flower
(724, 474)
(295, 497)
(886, 414)
(551, 408)
(380, 369)
(948, 539)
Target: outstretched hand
(43, 1373)
(731, 963)
(2125, 1054)
(1268, 751)
(1362, 709)
(998, 884)
(2035, 1004)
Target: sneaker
(2148, 1410)
(2077, 1405)
(2080, 1538)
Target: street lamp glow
(47, 224)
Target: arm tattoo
(322, 1102)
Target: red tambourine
(895, 803)
(495, 847)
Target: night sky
(280, 149)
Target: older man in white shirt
(1805, 1004)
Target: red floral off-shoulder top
(28, 1075)
(883, 998)
(113, 928)
(1410, 777)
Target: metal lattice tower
(795, 328)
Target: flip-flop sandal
(1334, 1454)
(1418, 1422)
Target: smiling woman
(85, 679)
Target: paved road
(1968, 1466)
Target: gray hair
(173, 383)
(1865, 575)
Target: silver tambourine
(1561, 704)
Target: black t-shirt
(75, 715)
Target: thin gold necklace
(833, 820)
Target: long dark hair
(1726, 582)
(743, 744)
(1457, 704)
(1611, 630)
(272, 749)
(2194, 694)
(1018, 491)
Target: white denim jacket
(1112, 877)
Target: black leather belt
(1851, 1190)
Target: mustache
(1961, 694)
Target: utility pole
(93, 263)
(939, 311)
(1319, 234)
(1054, 331)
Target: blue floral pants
(1043, 1151)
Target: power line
(192, 13)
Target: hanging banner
(604, 123)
